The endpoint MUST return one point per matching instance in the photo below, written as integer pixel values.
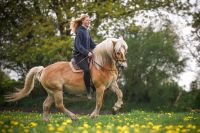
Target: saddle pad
(74, 69)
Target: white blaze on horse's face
(120, 48)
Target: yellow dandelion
(84, 131)
(50, 127)
(184, 130)
(85, 125)
(170, 131)
(69, 121)
(26, 130)
(33, 124)
(106, 131)
(98, 131)
(156, 127)
(136, 125)
(60, 129)
(190, 126)
(109, 127)
(150, 124)
(14, 123)
(169, 127)
(98, 127)
(169, 114)
(180, 126)
(136, 130)
(64, 123)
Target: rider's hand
(90, 54)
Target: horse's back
(52, 75)
(59, 75)
(57, 64)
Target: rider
(83, 45)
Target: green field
(135, 121)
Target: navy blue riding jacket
(83, 41)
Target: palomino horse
(109, 55)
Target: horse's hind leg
(46, 106)
(114, 87)
(58, 96)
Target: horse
(108, 57)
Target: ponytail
(77, 22)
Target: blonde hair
(77, 22)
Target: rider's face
(86, 22)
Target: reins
(95, 63)
(81, 60)
(103, 67)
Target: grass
(134, 121)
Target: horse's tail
(34, 73)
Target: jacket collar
(83, 27)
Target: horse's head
(119, 52)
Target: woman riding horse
(109, 55)
(83, 44)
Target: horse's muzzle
(122, 65)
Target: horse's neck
(107, 66)
(111, 65)
(103, 56)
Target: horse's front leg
(99, 100)
(114, 87)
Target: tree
(33, 32)
(153, 62)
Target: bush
(190, 100)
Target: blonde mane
(103, 51)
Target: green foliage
(164, 95)
(28, 25)
(152, 64)
(6, 84)
(190, 100)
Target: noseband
(115, 57)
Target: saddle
(75, 68)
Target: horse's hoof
(93, 116)
(46, 119)
(74, 118)
(114, 112)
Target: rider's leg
(87, 83)
(83, 64)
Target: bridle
(117, 60)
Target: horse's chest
(109, 79)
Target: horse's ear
(121, 37)
(114, 42)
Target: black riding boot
(87, 84)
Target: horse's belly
(74, 90)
